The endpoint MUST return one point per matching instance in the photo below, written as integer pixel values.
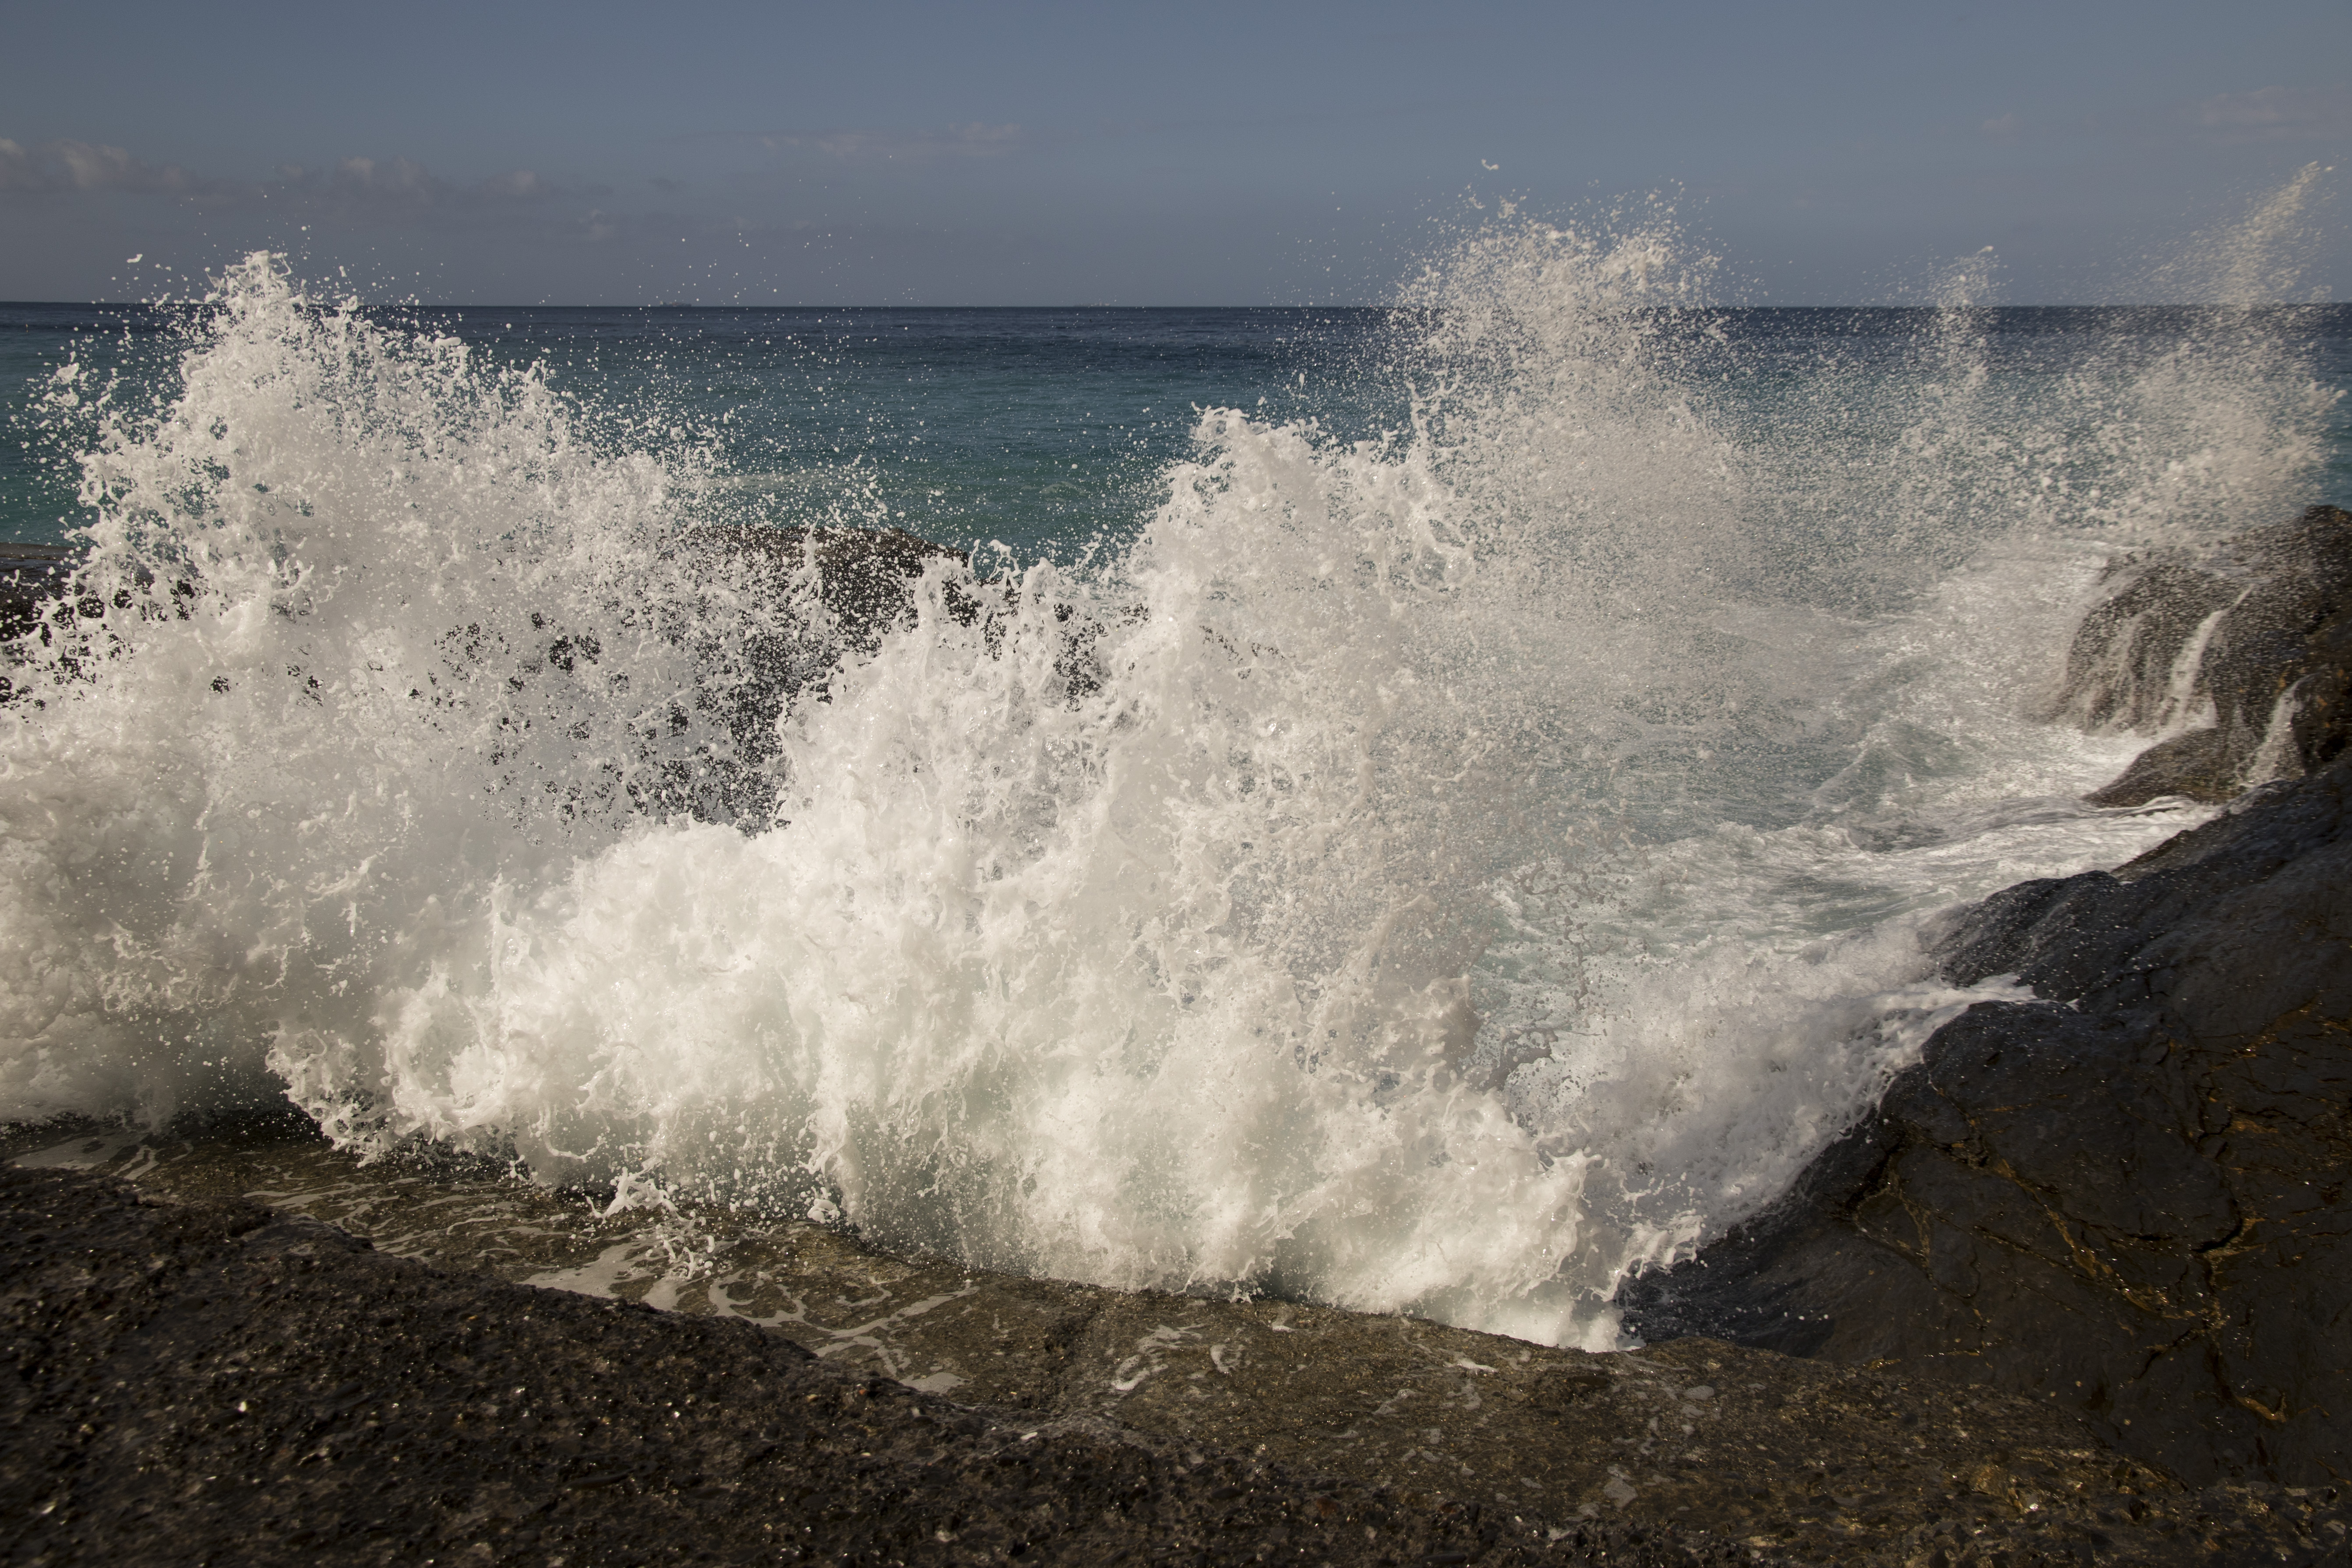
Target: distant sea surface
(1041, 428)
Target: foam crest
(1435, 873)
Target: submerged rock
(2126, 1199)
(30, 576)
(864, 577)
(2250, 645)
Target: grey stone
(1688, 1451)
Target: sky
(1196, 155)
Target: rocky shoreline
(209, 1379)
(2126, 1196)
(2073, 1293)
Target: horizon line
(1313, 305)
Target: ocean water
(1528, 738)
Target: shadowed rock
(2128, 1199)
(222, 1382)
(1289, 1416)
(30, 576)
(2258, 632)
(864, 577)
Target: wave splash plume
(1436, 873)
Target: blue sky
(1203, 154)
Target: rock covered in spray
(2126, 1198)
(31, 576)
(2244, 650)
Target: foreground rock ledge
(220, 1382)
(2127, 1198)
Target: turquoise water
(1039, 429)
(1048, 430)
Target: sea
(1427, 808)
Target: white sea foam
(1477, 871)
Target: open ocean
(1529, 737)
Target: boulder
(2125, 1198)
(864, 581)
(864, 577)
(2250, 643)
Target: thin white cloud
(60, 166)
(404, 184)
(389, 185)
(975, 141)
(2277, 114)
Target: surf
(1438, 871)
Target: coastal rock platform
(211, 1378)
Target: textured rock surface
(220, 1383)
(1786, 1458)
(2259, 629)
(2127, 1200)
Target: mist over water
(1489, 848)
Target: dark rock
(1236, 1422)
(2120, 665)
(30, 576)
(2127, 1199)
(864, 577)
(2266, 619)
(2199, 764)
(52, 592)
(217, 1382)
(818, 595)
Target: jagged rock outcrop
(2250, 643)
(2127, 1198)
(864, 577)
(863, 581)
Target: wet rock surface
(2126, 1200)
(2251, 642)
(1238, 1423)
(30, 576)
(220, 1382)
(861, 576)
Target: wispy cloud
(902, 146)
(2277, 114)
(354, 185)
(61, 166)
(404, 184)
